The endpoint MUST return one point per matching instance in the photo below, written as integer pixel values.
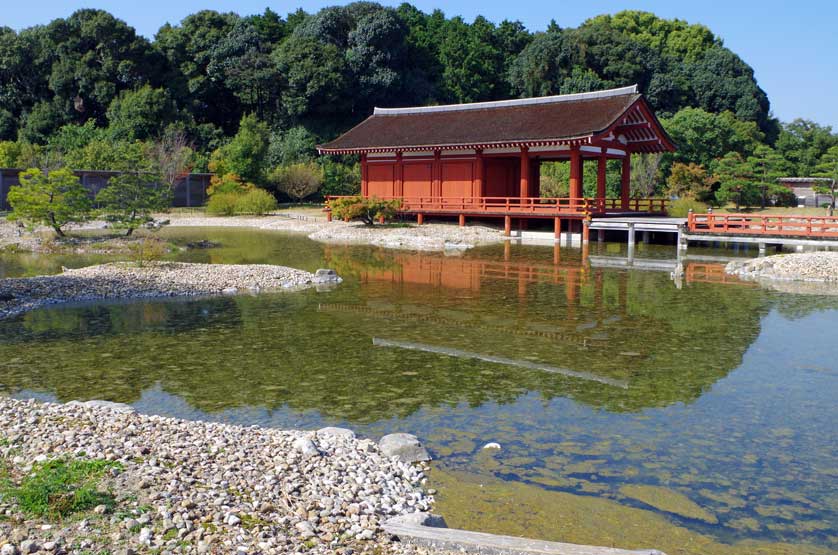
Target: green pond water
(706, 411)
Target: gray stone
(325, 275)
(344, 433)
(404, 446)
(305, 528)
(305, 446)
(121, 408)
(29, 546)
(8, 549)
(229, 291)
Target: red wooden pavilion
(483, 159)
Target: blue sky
(792, 46)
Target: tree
(645, 174)
(140, 114)
(131, 199)
(245, 154)
(689, 181)
(736, 181)
(767, 166)
(53, 199)
(172, 156)
(702, 136)
(828, 167)
(298, 181)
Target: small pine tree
(55, 199)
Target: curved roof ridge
(632, 89)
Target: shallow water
(711, 406)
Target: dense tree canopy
(81, 83)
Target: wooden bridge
(763, 229)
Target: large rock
(404, 446)
(324, 275)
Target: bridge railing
(776, 225)
(524, 205)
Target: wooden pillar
(586, 231)
(398, 186)
(420, 219)
(575, 172)
(507, 225)
(557, 228)
(600, 176)
(478, 174)
(625, 182)
(436, 172)
(462, 220)
(364, 182)
(525, 172)
(329, 216)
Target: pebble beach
(197, 487)
(122, 280)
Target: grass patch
(59, 488)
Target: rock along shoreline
(816, 271)
(122, 280)
(201, 487)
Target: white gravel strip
(427, 237)
(198, 487)
(813, 266)
(159, 279)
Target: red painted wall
(418, 178)
(381, 180)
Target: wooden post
(462, 220)
(586, 231)
(364, 182)
(575, 173)
(398, 186)
(381, 219)
(329, 216)
(507, 225)
(600, 235)
(625, 182)
(600, 178)
(557, 228)
(525, 173)
(436, 172)
(478, 174)
(420, 219)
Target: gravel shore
(158, 279)
(811, 267)
(195, 487)
(427, 237)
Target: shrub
(228, 183)
(54, 200)
(298, 181)
(681, 207)
(257, 201)
(147, 249)
(368, 210)
(223, 204)
(61, 487)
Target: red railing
(653, 205)
(522, 205)
(747, 224)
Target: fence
(766, 225)
(189, 191)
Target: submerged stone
(404, 446)
(669, 501)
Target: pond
(629, 411)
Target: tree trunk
(129, 232)
(55, 226)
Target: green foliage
(146, 250)
(140, 114)
(245, 154)
(703, 137)
(681, 207)
(298, 181)
(689, 181)
(736, 181)
(228, 183)
(827, 167)
(223, 204)
(54, 200)
(60, 487)
(105, 154)
(131, 199)
(298, 144)
(257, 201)
(9, 154)
(340, 178)
(367, 210)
